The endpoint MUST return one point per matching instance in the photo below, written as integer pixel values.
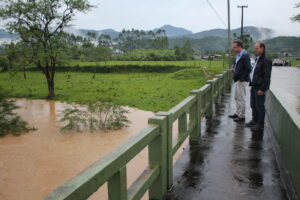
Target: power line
(215, 11)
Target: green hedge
(112, 69)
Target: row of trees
(129, 40)
(103, 47)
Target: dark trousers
(257, 103)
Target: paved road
(286, 82)
(231, 162)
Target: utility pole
(229, 34)
(242, 23)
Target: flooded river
(35, 163)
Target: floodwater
(35, 163)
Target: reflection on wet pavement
(230, 162)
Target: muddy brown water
(35, 163)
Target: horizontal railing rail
(162, 145)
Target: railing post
(182, 123)
(157, 150)
(220, 83)
(225, 81)
(228, 79)
(169, 149)
(117, 186)
(195, 115)
(210, 98)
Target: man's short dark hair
(239, 43)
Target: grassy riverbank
(146, 91)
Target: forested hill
(218, 44)
(205, 45)
(279, 44)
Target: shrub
(95, 117)
(11, 123)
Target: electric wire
(215, 11)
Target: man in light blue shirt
(241, 71)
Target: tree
(40, 25)
(129, 40)
(188, 50)
(296, 18)
(246, 38)
(3, 63)
(105, 41)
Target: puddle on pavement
(35, 163)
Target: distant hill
(210, 44)
(283, 44)
(214, 40)
(112, 33)
(172, 31)
(5, 34)
(255, 32)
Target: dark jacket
(262, 74)
(242, 69)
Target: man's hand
(260, 93)
(232, 69)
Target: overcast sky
(195, 15)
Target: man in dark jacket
(260, 82)
(242, 69)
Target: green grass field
(147, 91)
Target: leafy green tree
(296, 18)
(246, 38)
(3, 63)
(40, 25)
(180, 54)
(188, 50)
(129, 40)
(105, 41)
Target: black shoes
(239, 119)
(250, 124)
(257, 127)
(236, 118)
(233, 116)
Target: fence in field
(157, 178)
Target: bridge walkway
(231, 161)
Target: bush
(3, 63)
(96, 117)
(114, 69)
(10, 123)
(148, 55)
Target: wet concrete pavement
(231, 162)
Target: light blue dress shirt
(253, 69)
(238, 56)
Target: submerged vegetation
(95, 117)
(11, 123)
